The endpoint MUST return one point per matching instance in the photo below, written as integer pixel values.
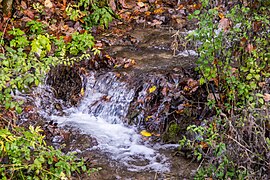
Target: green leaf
(18, 109)
(197, 12)
(249, 77)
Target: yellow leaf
(82, 92)
(152, 89)
(145, 133)
(147, 118)
(221, 15)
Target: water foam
(102, 119)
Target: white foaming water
(100, 114)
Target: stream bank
(144, 81)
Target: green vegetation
(234, 58)
(98, 14)
(27, 53)
(234, 65)
(25, 155)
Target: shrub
(233, 61)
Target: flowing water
(102, 113)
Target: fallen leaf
(156, 22)
(164, 91)
(23, 5)
(159, 11)
(152, 89)
(221, 15)
(82, 92)
(145, 133)
(204, 145)
(124, 4)
(266, 97)
(147, 118)
(250, 48)
(140, 4)
(112, 5)
(262, 84)
(29, 13)
(67, 39)
(224, 24)
(181, 6)
(48, 4)
(147, 13)
(212, 96)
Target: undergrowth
(233, 46)
(25, 155)
(26, 55)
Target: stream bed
(104, 112)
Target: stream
(103, 114)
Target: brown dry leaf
(266, 97)
(181, 6)
(26, 19)
(215, 81)
(127, 65)
(233, 70)
(125, 4)
(262, 84)
(28, 108)
(204, 145)
(98, 44)
(140, 4)
(164, 91)
(29, 13)
(67, 39)
(224, 24)
(192, 85)
(118, 75)
(257, 26)
(112, 5)
(133, 62)
(48, 4)
(156, 22)
(179, 111)
(53, 27)
(250, 48)
(197, 6)
(126, 16)
(243, 41)
(159, 11)
(23, 5)
(147, 13)
(212, 96)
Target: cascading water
(101, 113)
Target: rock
(67, 83)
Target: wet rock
(66, 82)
